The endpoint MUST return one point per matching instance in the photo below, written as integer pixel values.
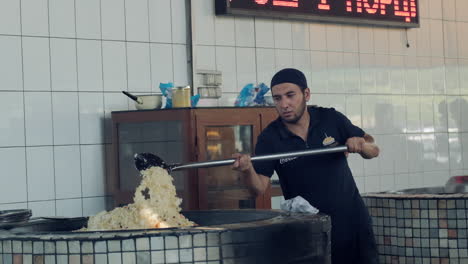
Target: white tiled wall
(63, 64)
(411, 99)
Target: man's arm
(257, 183)
(365, 146)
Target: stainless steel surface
(215, 163)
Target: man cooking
(325, 181)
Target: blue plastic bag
(246, 96)
(166, 90)
(262, 89)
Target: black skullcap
(289, 75)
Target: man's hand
(242, 163)
(365, 146)
(355, 144)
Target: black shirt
(324, 180)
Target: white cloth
(298, 205)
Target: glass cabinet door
(221, 187)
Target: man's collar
(314, 120)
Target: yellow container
(181, 96)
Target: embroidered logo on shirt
(329, 141)
(282, 161)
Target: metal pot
(146, 102)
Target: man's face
(290, 101)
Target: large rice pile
(160, 210)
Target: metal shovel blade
(144, 161)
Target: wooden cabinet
(187, 135)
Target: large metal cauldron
(223, 236)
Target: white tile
(13, 206)
(62, 18)
(415, 152)
(398, 104)
(113, 102)
(245, 31)
(301, 61)
(435, 9)
(353, 109)
(384, 115)
(38, 118)
(440, 114)
(264, 33)
(455, 150)
(300, 36)
(67, 172)
(138, 63)
(319, 81)
(36, 67)
(40, 173)
(463, 110)
(42, 208)
(65, 118)
(226, 64)
(461, 6)
(463, 76)
(416, 180)
(13, 189)
(318, 37)
(179, 21)
(424, 75)
(35, 17)
(283, 58)
(367, 69)
(113, 19)
(381, 40)
(429, 152)
(369, 106)
(411, 75)
(397, 41)
(413, 114)
(372, 184)
(451, 77)
(12, 119)
(464, 143)
(432, 178)
(336, 72)
(227, 99)
(387, 182)
(10, 18)
(334, 37)
(69, 208)
(350, 38)
(266, 69)
(450, 39)
(11, 71)
(423, 38)
(382, 74)
(449, 10)
(437, 38)
(181, 74)
(282, 34)
(401, 181)
(88, 19)
(352, 78)
(442, 151)
(114, 65)
(427, 114)
(93, 174)
(366, 39)
(160, 21)
(424, 8)
(400, 154)
(89, 63)
(454, 113)
(397, 74)
(245, 66)
(63, 64)
(224, 31)
(356, 163)
(161, 64)
(205, 58)
(438, 75)
(91, 118)
(462, 36)
(94, 205)
(411, 42)
(204, 23)
(136, 20)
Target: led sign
(397, 13)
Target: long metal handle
(216, 163)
